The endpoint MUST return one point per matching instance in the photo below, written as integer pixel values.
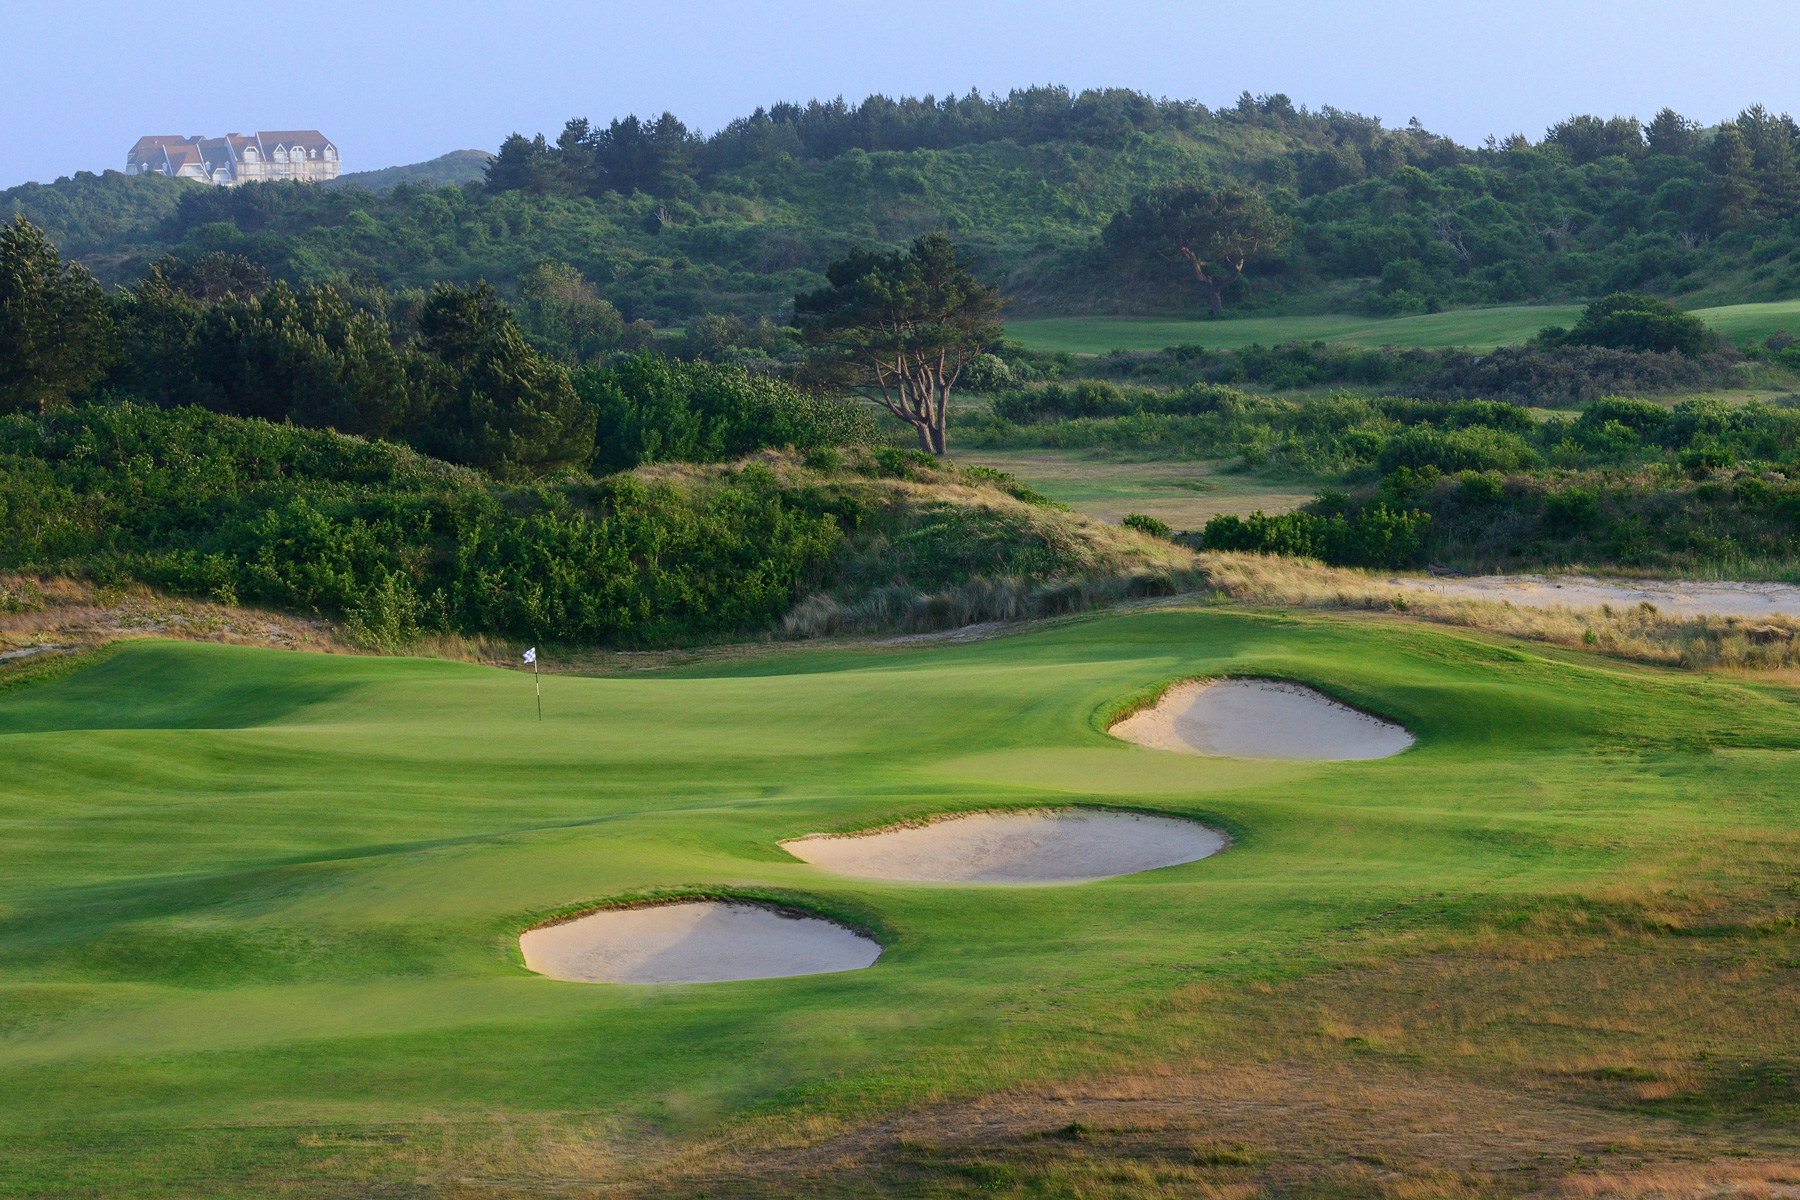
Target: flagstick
(538, 687)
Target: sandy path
(703, 942)
(1061, 846)
(1261, 718)
(1677, 597)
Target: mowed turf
(259, 910)
(1475, 328)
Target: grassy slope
(456, 167)
(1478, 328)
(257, 910)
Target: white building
(303, 154)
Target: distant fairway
(1476, 328)
(259, 910)
(1738, 321)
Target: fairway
(259, 911)
(1184, 493)
(1740, 321)
(1475, 328)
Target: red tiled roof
(312, 139)
(152, 141)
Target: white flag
(531, 655)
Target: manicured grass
(1476, 328)
(1480, 328)
(1740, 321)
(1183, 494)
(258, 910)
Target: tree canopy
(667, 225)
(1628, 321)
(1215, 228)
(899, 328)
(55, 335)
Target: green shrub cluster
(652, 409)
(1347, 434)
(1744, 523)
(1539, 374)
(1371, 536)
(244, 510)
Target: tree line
(661, 154)
(456, 378)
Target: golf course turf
(1475, 328)
(259, 910)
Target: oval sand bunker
(706, 941)
(1059, 846)
(1261, 718)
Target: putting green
(253, 903)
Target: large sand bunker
(702, 941)
(1261, 718)
(1676, 597)
(1055, 846)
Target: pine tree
(55, 334)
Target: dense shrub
(652, 409)
(1470, 448)
(246, 510)
(1562, 376)
(1630, 321)
(1537, 374)
(1368, 537)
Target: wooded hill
(667, 224)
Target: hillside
(399, 546)
(453, 169)
(667, 224)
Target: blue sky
(396, 82)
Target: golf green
(256, 903)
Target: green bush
(1371, 537)
(654, 409)
(244, 510)
(1475, 448)
(1146, 524)
(1631, 321)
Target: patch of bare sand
(703, 941)
(1676, 597)
(1071, 845)
(1261, 718)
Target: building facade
(300, 154)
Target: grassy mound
(400, 547)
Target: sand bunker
(705, 941)
(1261, 718)
(1058, 846)
(1676, 597)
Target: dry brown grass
(48, 615)
(42, 617)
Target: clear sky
(398, 81)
